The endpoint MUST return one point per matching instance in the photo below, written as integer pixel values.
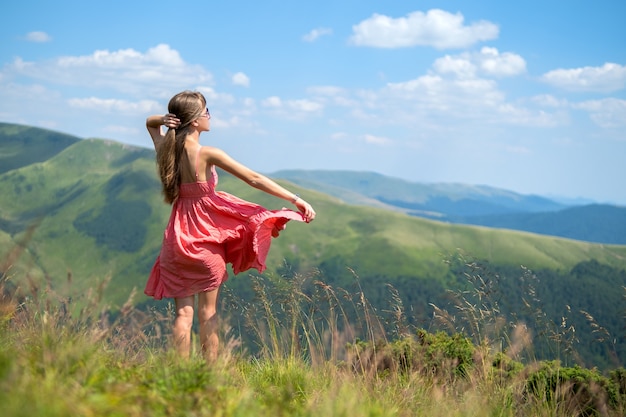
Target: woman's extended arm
(217, 157)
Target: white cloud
(607, 113)
(488, 62)
(232, 122)
(437, 92)
(377, 140)
(423, 83)
(468, 96)
(161, 55)
(460, 66)
(339, 136)
(607, 78)
(38, 37)
(436, 28)
(441, 103)
(158, 71)
(548, 100)
(19, 65)
(500, 65)
(292, 109)
(241, 79)
(116, 105)
(273, 101)
(326, 90)
(316, 33)
(304, 105)
(338, 96)
(213, 96)
(523, 116)
(301, 105)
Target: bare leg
(182, 325)
(207, 316)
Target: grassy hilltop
(90, 211)
(58, 362)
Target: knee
(184, 316)
(208, 313)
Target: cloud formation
(126, 70)
(435, 28)
(608, 78)
(377, 140)
(608, 113)
(241, 79)
(488, 62)
(38, 37)
(115, 105)
(314, 34)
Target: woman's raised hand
(171, 121)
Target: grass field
(81, 226)
(56, 360)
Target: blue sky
(526, 96)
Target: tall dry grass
(302, 348)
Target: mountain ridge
(470, 204)
(23, 145)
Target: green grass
(58, 359)
(73, 343)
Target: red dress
(208, 229)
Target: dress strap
(197, 162)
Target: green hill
(24, 145)
(93, 212)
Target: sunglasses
(206, 113)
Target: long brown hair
(187, 106)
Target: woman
(207, 228)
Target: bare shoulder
(219, 158)
(212, 154)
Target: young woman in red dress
(207, 229)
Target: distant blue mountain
(600, 223)
(481, 204)
(438, 200)
(471, 204)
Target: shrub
(438, 355)
(574, 391)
